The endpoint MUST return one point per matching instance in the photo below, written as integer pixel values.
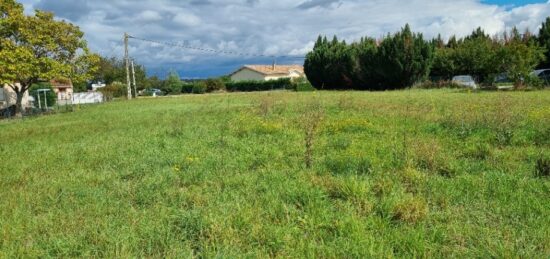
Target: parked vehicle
(7, 112)
(503, 82)
(153, 92)
(544, 75)
(466, 81)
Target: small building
(63, 89)
(97, 85)
(267, 72)
(8, 97)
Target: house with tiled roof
(63, 88)
(267, 72)
(8, 98)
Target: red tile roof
(274, 70)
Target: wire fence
(73, 103)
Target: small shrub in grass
(346, 102)
(348, 165)
(187, 88)
(504, 135)
(447, 170)
(185, 164)
(340, 143)
(301, 85)
(199, 88)
(305, 87)
(213, 85)
(412, 178)
(534, 82)
(410, 210)
(337, 165)
(542, 167)
(383, 186)
(503, 121)
(348, 189)
(311, 120)
(267, 128)
(540, 136)
(478, 150)
(265, 105)
(427, 155)
(348, 125)
(189, 226)
(114, 90)
(353, 190)
(363, 166)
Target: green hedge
(253, 86)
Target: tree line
(405, 58)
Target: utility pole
(134, 79)
(126, 57)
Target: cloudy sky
(270, 27)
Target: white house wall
(9, 98)
(247, 75)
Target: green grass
(437, 173)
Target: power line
(215, 51)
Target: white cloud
(188, 20)
(149, 16)
(282, 27)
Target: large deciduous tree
(38, 48)
(518, 57)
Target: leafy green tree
(518, 58)
(80, 87)
(475, 56)
(173, 83)
(114, 70)
(544, 41)
(153, 82)
(213, 85)
(39, 48)
(115, 90)
(443, 67)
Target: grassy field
(438, 173)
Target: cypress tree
(404, 59)
(329, 65)
(544, 41)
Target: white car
(465, 80)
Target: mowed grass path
(395, 174)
